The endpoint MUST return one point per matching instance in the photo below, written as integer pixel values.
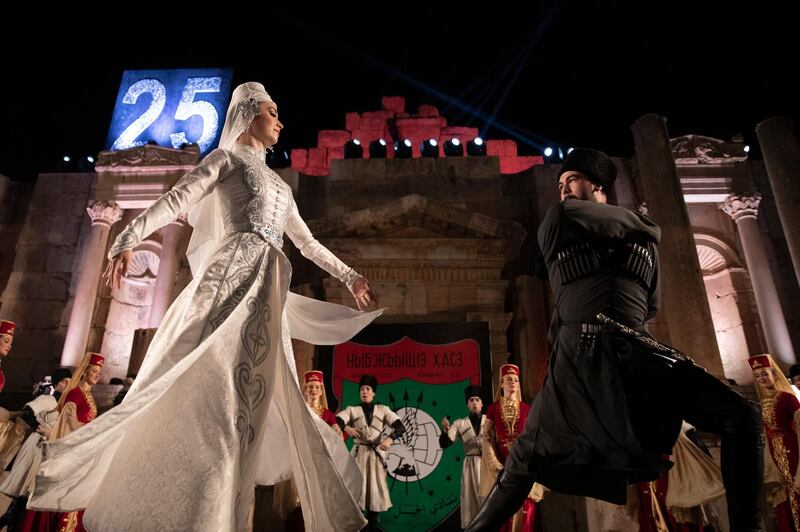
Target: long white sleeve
(301, 236)
(190, 189)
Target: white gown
(216, 406)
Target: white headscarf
(204, 216)
(241, 111)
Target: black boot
(743, 468)
(11, 518)
(372, 522)
(505, 499)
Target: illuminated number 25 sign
(170, 107)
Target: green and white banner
(422, 371)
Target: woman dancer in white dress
(216, 407)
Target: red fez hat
(759, 361)
(509, 369)
(96, 359)
(313, 376)
(7, 327)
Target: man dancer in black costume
(611, 407)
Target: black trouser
(11, 519)
(712, 406)
(372, 521)
(700, 399)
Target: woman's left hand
(362, 293)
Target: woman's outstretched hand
(362, 293)
(118, 268)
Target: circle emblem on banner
(416, 453)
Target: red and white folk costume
(77, 408)
(285, 500)
(13, 431)
(320, 408)
(6, 329)
(779, 409)
(505, 419)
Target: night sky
(550, 74)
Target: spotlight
(560, 154)
(430, 148)
(377, 149)
(353, 149)
(548, 151)
(67, 164)
(476, 147)
(402, 150)
(569, 150)
(747, 148)
(85, 164)
(279, 159)
(453, 148)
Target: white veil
(204, 216)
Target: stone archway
(730, 299)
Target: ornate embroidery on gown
(216, 407)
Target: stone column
(175, 240)
(531, 324)
(303, 358)
(780, 146)
(498, 341)
(103, 215)
(681, 280)
(744, 211)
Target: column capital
(104, 212)
(740, 206)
